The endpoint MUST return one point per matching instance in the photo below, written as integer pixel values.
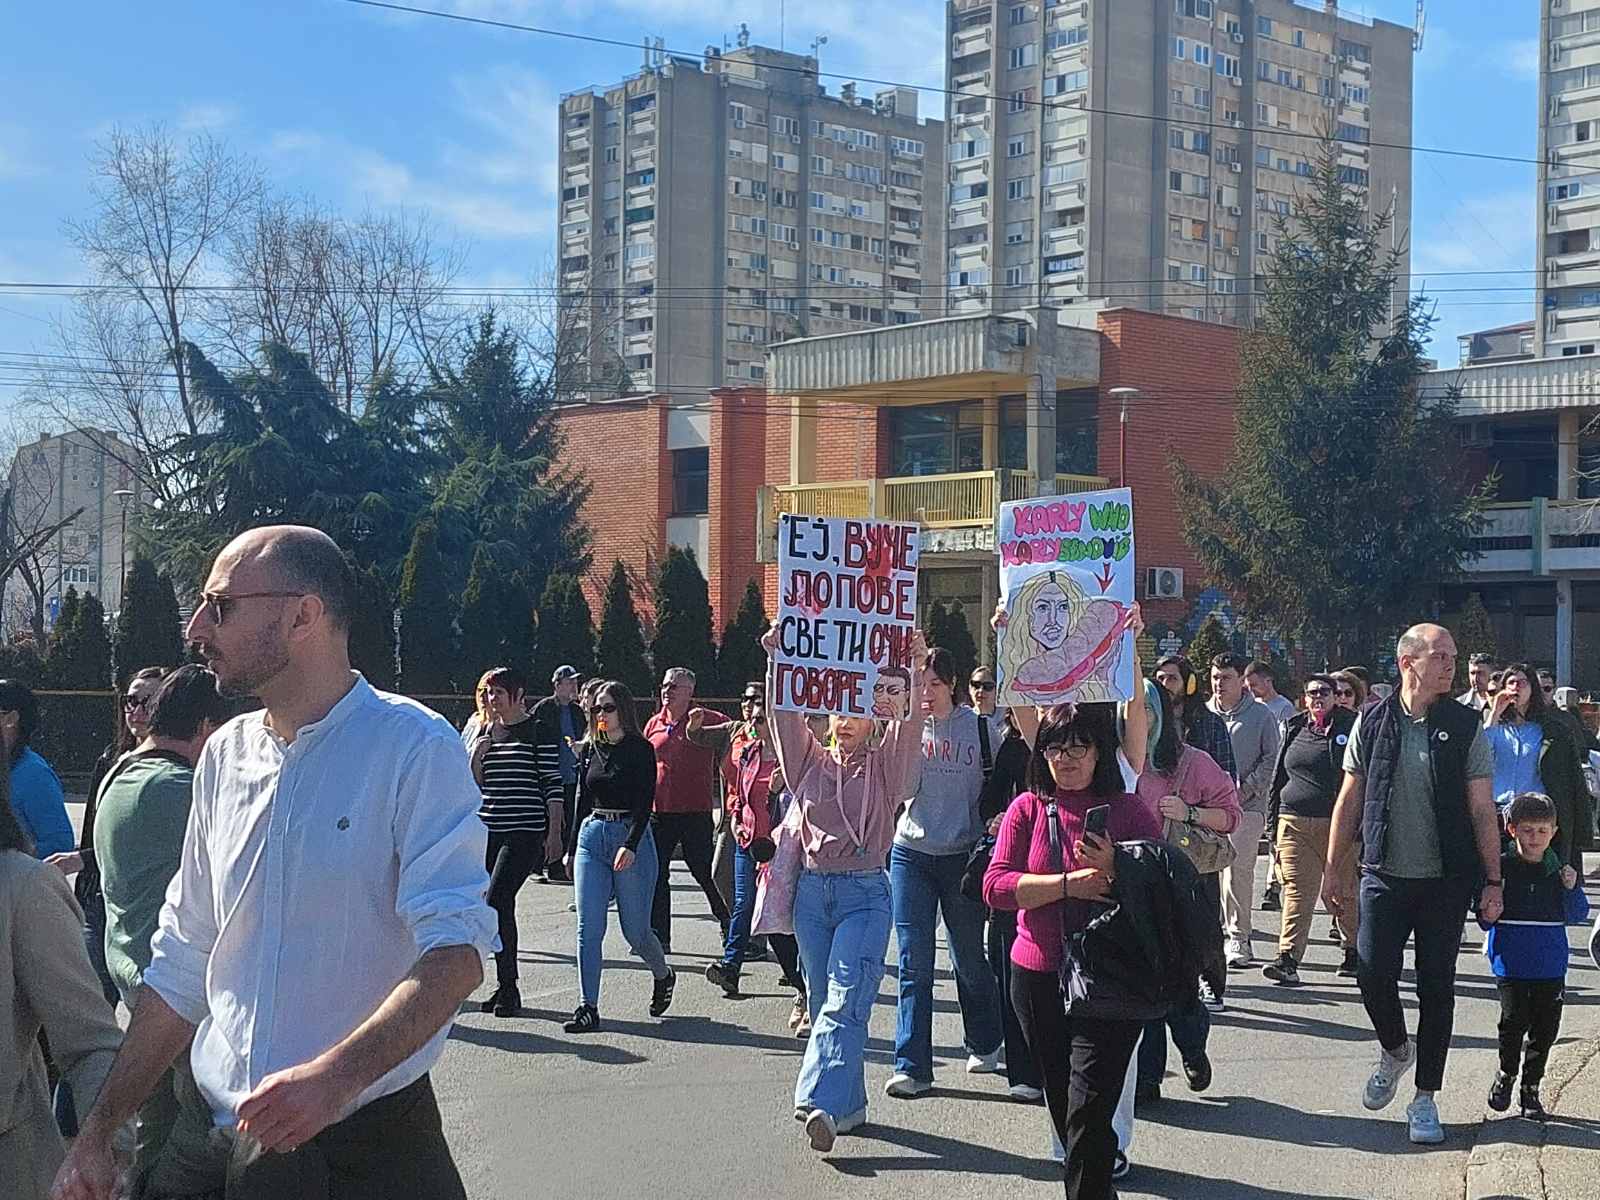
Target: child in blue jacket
(1527, 948)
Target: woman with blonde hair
(479, 720)
(1058, 644)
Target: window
(1363, 53)
(1016, 276)
(1202, 54)
(1076, 36)
(1019, 189)
(1060, 264)
(785, 127)
(907, 146)
(1231, 27)
(820, 165)
(1197, 273)
(819, 235)
(1228, 65)
(1356, 133)
(1018, 101)
(1264, 26)
(783, 162)
(1563, 191)
(968, 191)
(611, 154)
(1024, 56)
(609, 227)
(1072, 81)
(1019, 14)
(641, 178)
(1355, 175)
(1574, 351)
(1200, 9)
(819, 201)
(1580, 131)
(1223, 285)
(691, 482)
(973, 147)
(1016, 147)
(1356, 94)
(1017, 232)
(1180, 48)
(1263, 243)
(1174, 181)
(1064, 173)
(639, 250)
(1202, 97)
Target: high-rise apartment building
(1567, 292)
(1140, 153)
(709, 207)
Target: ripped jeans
(841, 921)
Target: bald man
(326, 921)
(1417, 802)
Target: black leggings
(690, 832)
(1083, 1064)
(510, 859)
(787, 952)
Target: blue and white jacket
(1529, 941)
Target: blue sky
(358, 107)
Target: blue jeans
(842, 924)
(926, 885)
(744, 907)
(596, 883)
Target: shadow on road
(1175, 1185)
(1251, 1117)
(525, 1041)
(930, 1152)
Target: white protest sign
(1067, 584)
(847, 607)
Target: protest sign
(1067, 585)
(847, 607)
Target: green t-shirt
(138, 841)
(1411, 850)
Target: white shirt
(314, 874)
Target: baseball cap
(565, 671)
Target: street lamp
(123, 495)
(1123, 394)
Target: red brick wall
(1186, 372)
(739, 449)
(621, 449)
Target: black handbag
(978, 859)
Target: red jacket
(747, 769)
(686, 774)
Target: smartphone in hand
(1094, 821)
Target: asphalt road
(700, 1103)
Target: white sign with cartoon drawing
(1067, 586)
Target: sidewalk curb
(1504, 1162)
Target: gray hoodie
(1255, 734)
(942, 817)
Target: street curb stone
(1505, 1160)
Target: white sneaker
(903, 1087)
(1386, 1077)
(852, 1122)
(1025, 1092)
(1210, 999)
(821, 1131)
(986, 1064)
(1422, 1122)
(1238, 953)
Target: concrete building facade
(50, 480)
(1141, 154)
(1567, 291)
(710, 207)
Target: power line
(595, 39)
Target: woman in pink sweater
(848, 794)
(1053, 890)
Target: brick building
(936, 421)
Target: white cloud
(206, 118)
(1521, 58)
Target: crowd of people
(293, 902)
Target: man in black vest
(1417, 805)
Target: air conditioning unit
(1235, 211)
(1233, 252)
(1236, 122)
(1239, 37)
(1163, 583)
(883, 187)
(1236, 168)
(738, 122)
(1232, 79)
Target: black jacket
(1340, 722)
(1561, 772)
(1141, 956)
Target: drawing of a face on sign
(891, 694)
(1059, 644)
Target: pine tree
(1346, 504)
(372, 641)
(683, 621)
(147, 628)
(1209, 641)
(93, 666)
(740, 659)
(1473, 631)
(565, 631)
(427, 615)
(480, 621)
(60, 667)
(619, 650)
(936, 625)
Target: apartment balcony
(969, 500)
(969, 213)
(1538, 537)
(971, 41)
(905, 197)
(1572, 270)
(578, 140)
(1065, 236)
(974, 85)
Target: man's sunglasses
(1320, 693)
(221, 603)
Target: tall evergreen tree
(683, 621)
(427, 618)
(91, 663)
(480, 621)
(61, 658)
(1345, 505)
(148, 634)
(740, 659)
(619, 650)
(1209, 641)
(565, 631)
(372, 641)
(1473, 630)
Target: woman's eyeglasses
(1345, 691)
(1072, 750)
(605, 708)
(1321, 693)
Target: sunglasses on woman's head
(605, 708)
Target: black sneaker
(1500, 1091)
(661, 997)
(488, 1005)
(1146, 1093)
(585, 1019)
(1528, 1101)
(1352, 962)
(1283, 971)
(1197, 1071)
(724, 978)
(508, 1001)
(1270, 902)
